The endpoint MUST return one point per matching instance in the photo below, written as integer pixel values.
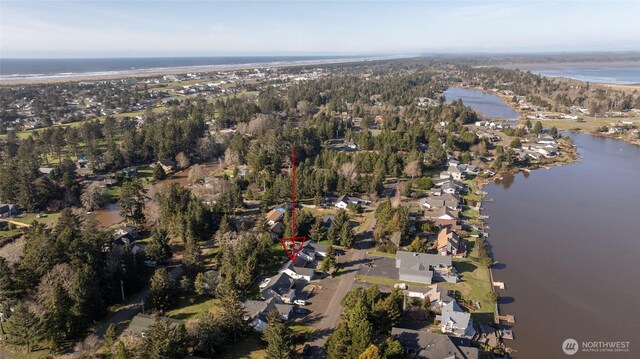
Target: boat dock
(507, 318)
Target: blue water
(597, 74)
(43, 68)
(490, 106)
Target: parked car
(300, 302)
(301, 311)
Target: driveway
(331, 316)
(132, 308)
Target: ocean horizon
(51, 68)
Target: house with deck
(454, 320)
(420, 344)
(425, 268)
(450, 244)
(279, 287)
(257, 312)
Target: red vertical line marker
(293, 192)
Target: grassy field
(381, 254)
(250, 347)
(475, 285)
(589, 124)
(190, 307)
(28, 218)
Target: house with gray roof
(424, 268)
(444, 200)
(425, 345)
(257, 312)
(437, 295)
(456, 321)
(8, 210)
(279, 287)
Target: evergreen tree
(537, 128)
(360, 329)
(392, 349)
(206, 333)
(164, 340)
(111, 336)
(346, 235)
(158, 250)
(329, 261)
(26, 328)
(162, 290)
(317, 233)
(339, 342)
(232, 316)
(279, 338)
(131, 201)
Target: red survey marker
(293, 245)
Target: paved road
(331, 316)
(132, 308)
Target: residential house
(468, 169)
(344, 201)
(421, 344)
(130, 172)
(448, 200)
(257, 312)
(167, 165)
(456, 321)
(449, 243)
(274, 216)
(303, 267)
(350, 146)
(424, 268)
(45, 170)
(279, 287)
(141, 323)
(437, 295)
(125, 235)
(546, 139)
(9, 210)
(443, 217)
(450, 186)
(327, 220)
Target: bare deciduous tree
(413, 169)
(182, 160)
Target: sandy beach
(158, 71)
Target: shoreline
(157, 71)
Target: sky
(224, 28)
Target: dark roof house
(426, 345)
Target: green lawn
(10, 233)
(381, 254)
(28, 218)
(250, 347)
(190, 307)
(385, 281)
(475, 285)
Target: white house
(344, 201)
